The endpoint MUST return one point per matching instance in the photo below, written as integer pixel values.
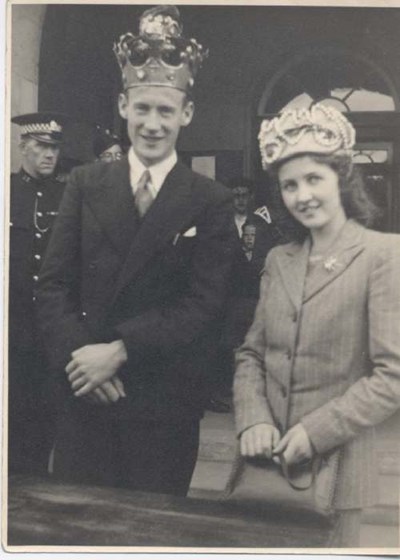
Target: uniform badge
(264, 214)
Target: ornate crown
(320, 130)
(159, 55)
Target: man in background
(106, 145)
(256, 234)
(34, 200)
(267, 234)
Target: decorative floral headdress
(159, 55)
(319, 130)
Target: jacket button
(38, 257)
(39, 193)
(83, 313)
(36, 278)
(284, 392)
(39, 214)
(38, 235)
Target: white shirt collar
(239, 221)
(158, 172)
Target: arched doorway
(354, 84)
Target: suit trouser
(110, 445)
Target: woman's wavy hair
(355, 200)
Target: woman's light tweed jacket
(327, 356)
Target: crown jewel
(159, 55)
(321, 130)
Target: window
(350, 83)
(357, 86)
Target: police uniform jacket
(156, 283)
(33, 208)
(324, 350)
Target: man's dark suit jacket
(108, 275)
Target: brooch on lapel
(331, 264)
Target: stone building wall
(26, 31)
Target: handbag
(303, 489)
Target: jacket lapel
(346, 248)
(292, 265)
(113, 204)
(171, 211)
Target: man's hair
(26, 139)
(248, 223)
(241, 182)
(187, 96)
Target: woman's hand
(295, 445)
(260, 439)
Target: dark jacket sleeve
(165, 329)
(57, 295)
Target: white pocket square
(191, 232)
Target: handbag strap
(313, 474)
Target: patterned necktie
(143, 196)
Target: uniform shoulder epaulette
(24, 176)
(263, 213)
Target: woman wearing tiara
(320, 365)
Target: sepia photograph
(202, 277)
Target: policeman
(35, 197)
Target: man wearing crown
(34, 200)
(134, 277)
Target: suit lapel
(113, 204)
(292, 265)
(171, 211)
(346, 248)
